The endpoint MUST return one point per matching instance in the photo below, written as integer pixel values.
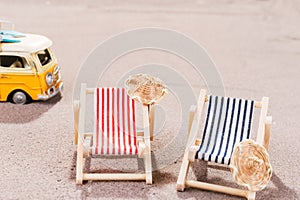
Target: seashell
(145, 88)
(250, 165)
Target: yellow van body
(28, 67)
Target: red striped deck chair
(114, 132)
(228, 122)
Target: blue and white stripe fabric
(228, 122)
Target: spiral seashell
(250, 165)
(145, 88)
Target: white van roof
(29, 43)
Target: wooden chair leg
(76, 118)
(251, 195)
(191, 118)
(147, 154)
(151, 120)
(79, 164)
(80, 139)
(262, 121)
(267, 135)
(180, 186)
(148, 167)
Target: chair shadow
(200, 169)
(121, 189)
(72, 172)
(87, 165)
(117, 189)
(281, 191)
(18, 114)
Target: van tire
(19, 97)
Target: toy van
(28, 68)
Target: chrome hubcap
(19, 98)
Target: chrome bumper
(51, 92)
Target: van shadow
(18, 114)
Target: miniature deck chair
(228, 121)
(114, 133)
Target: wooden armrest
(141, 149)
(87, 143)
(198, 142)
(140, 133)
(192, 153)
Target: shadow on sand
(122, 189)
(279, 191)
(118, 189)
(18, 114)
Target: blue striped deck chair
(115, 133)
(228, 122)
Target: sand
(254, 44)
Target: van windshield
(44, 57)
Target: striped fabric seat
(228, 122)
(115, 128)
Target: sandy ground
(255, 45)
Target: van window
(44, 57)
(11, 61)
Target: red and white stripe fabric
(115, 128)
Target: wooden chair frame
(263, 138)
(83, 139)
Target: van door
(16, 74)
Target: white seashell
(145, 88)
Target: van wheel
(19, 97)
